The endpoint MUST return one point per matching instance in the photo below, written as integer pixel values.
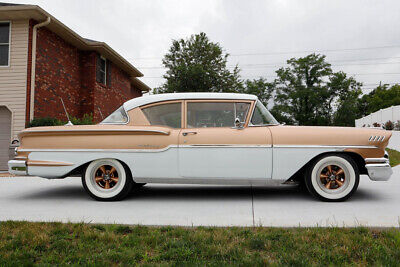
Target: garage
(5, 136)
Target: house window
(4, 43)
(102, 70)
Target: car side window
(261, 115)
(215, 114)
(164, 115)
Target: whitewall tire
(332, 177)
(107, 180)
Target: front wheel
(107, 180)
(332, 177)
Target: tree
(345, 92)
(259, 87)
(198, 65)
(380, 98)
(308, 92)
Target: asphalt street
(37, 199)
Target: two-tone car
(202, 138)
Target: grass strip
(394, 157)
(25, 243)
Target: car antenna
(69, 123)
(101, 113)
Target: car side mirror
(238, 124)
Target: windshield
(117, 117)
(261, 115)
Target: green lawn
(23, 243)
(394, 157)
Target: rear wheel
(107, 180)
(332, 177)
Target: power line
(262, 65)
(381, 73)
(318, 51)
(296, 52)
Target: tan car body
(41, 149)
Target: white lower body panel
(288, 160)
(142, 164)
(223, 165)
(247, 162)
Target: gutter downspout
(33, 67)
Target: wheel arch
(358, 159)
(79, 170)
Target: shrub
(397, 126)
(47, 121)
(87, 119)
(389, 125)
(375, 124)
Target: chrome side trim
(189, 146)
(99, 130)
(42, 163)
(264, 125)
(323, 146)
(226, 145)
(145, 150)
(101, 150)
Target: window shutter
(98, 67)
(109, 73)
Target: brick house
(43, 61)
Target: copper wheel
(332, 177)
(106, 176)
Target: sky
(360, 37)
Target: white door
(5, 136)
(209, 146)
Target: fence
(394, 142)
(381, 117)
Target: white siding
(13, 79)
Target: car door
(210, 146)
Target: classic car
(202, 138)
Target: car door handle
(187, 133)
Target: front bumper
(378, 169)
(17, 167)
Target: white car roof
(149, 99)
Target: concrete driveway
(37, 199)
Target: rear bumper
(17, 167)
(378, 169)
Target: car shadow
(198, 193)
(212, 193)
(192, 192)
